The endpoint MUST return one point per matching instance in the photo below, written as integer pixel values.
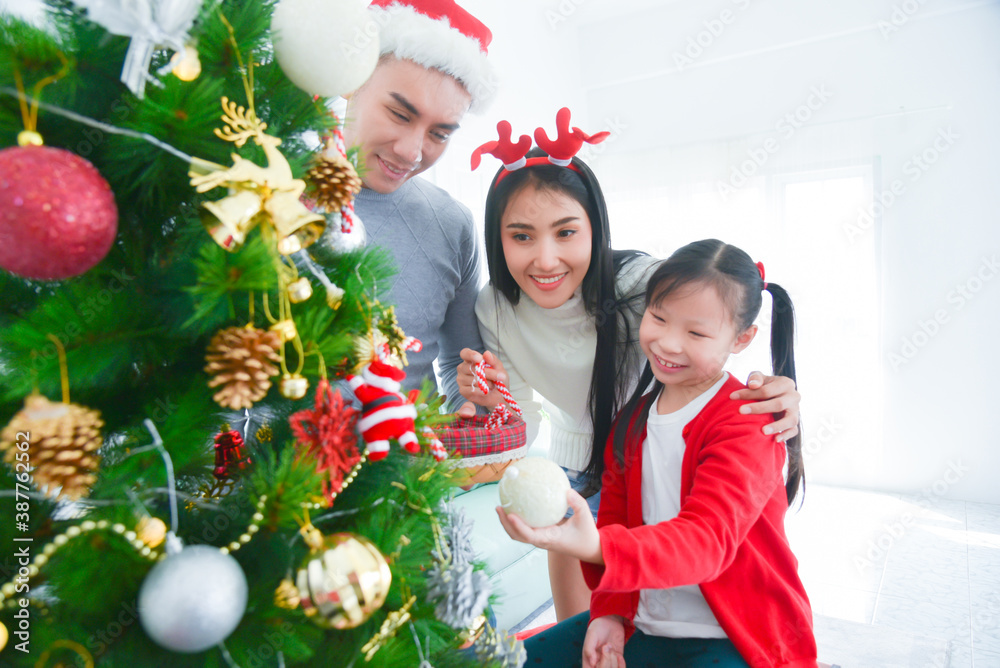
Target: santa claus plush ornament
(385, 412)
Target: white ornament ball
(326, 47)
(193, 600)
(534, 489)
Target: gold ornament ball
(293, 386)
(29, 138)
(289, 244)
(187, 65)
(4, 636)
(151, 531)
(343, 582)
(300, 290)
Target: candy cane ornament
(435, 445)
(501, 414)
(347, 215)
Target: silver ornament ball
(338, 241)
(193, 600)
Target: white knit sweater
(549, 355)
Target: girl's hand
(772, 394)
(577, 536)
(466, 381)
(605, 643)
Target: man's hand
(605, 643)
(577, 536)
(772, 394)
(466, 381)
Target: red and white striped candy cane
(383, 353)
(501, 413)
(436, 446)
(412, 343)
(498, 417)
(347, 216)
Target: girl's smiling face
(688, 336)
(547, 240)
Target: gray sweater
(432, 238)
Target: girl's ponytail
(783, 364)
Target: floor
(895, 581)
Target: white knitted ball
(535, 489)
(326, 47)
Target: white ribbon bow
(150, 24)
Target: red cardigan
(729, 536)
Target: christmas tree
(184, 483)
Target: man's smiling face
(402, 119)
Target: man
(431, 71)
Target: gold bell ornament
(293, 386)
(285, 329)
(299, 290)
(255, 193)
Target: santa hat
(378, 370)
(439, 34)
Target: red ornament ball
(57, 213)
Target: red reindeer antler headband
(560, 150)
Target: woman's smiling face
(547, 239)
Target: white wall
(893, 78)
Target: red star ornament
(328, 433)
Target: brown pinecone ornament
(332, 182)
(240, 359)
(63, 440)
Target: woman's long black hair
(738, 281)
(609, 381)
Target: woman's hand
(577, 536)
(467, 384)
(772, 394)
(605, 643)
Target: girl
(688, 560)
(561, 316)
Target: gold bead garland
(254, 527)
(8, 590)
(350, 476)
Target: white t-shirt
(678, 612)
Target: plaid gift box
(484, 453)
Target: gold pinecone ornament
(242, 361)
(62, 439)
(332, 182)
